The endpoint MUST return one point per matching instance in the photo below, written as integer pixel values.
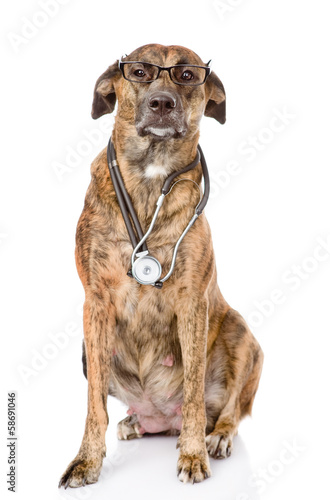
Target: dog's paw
(219, 445)
(193, 468)
(80, 472)
(129, 428)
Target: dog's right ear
(104, 92)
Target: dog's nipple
(168, 361)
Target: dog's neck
(145, 163)
(137, 153)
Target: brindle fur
(130, 328)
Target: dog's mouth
(162, 131)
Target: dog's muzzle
(161, 115)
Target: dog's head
(162, 90)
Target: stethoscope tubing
(152, 223)
(124, 200)
(176, 248)
(129, 213)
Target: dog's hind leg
(232, 379)
(129, 428)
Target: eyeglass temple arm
(120, 59)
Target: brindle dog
(180, 358)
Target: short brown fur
(212, 366)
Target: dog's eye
(187, 75)
(139, 73)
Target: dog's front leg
(99, 322)
(193, 463)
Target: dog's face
(161, 104)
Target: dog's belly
(151, 386)
(146, 365)
(157, 417)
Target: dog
(180, 358)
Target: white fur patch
(155, 171)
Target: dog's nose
(162, 103)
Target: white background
(267, 222)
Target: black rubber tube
(127, 199)
(168, 182)
(131, 209)
(123, 209)
(121, 201)
(201, 205)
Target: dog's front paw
(81, 472)
(193, 468)
(219, 445)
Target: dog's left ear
(104, 92)
(216, 104)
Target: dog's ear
(104, 92)
(216, 104)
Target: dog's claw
(193, 469)
(80, 472)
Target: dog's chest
(146, 325)
(146, 360)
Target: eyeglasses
(181, 74)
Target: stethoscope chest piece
(146, 270)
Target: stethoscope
(146, 269)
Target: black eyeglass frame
(161, 68)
